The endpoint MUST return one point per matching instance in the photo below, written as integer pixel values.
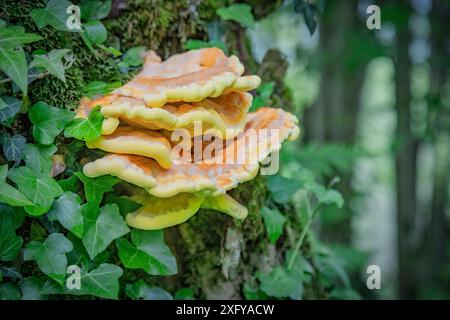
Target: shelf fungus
(150, 131)
(158, 213)
(190, 77)
(226, 114)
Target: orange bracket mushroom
(236, 163)
(226, 114)
(191, 76)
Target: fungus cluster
(180, 131)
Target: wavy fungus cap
(130, 140)
(191, 76)
(158, 213)
(226, 114)
(237, 162)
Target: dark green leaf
(274, 222)
(9, 291)
(148, 252)
(50, 255)
(86, 129)
(41, 190)
(185, 294)
(94, 188)
(52, 62)
(13, 147)
(9, 194)
(239, 12)
(10, 243)
(54, 14)
(14, 65)
(142, 291)
(67, 210)
(253, 293)
(69, 184)
(282, 189)
(39, 158)
(264, 93)
(95, 9)
(12, 56)
(94, 88)
(48, 121)
(101, 228)
(102, 282)
(125, 205)
(9, 107)
(133, 57)
(31, 289)
(94, 32)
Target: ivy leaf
(142, 291)
(133, 56)
(52, 62)
(41, 190)
(86, 129)
(148, 252)
(252, 293)
(69, 184)
(50, 255)
(274, 222)
(9, 107)
(94, 9)
(94, 32)
(280, 282)
(54, 14)
(9, 291)
(102, 282)
(327, 196)
(125, 205)
(37, 232)
(284, 282)
(31, 289)
(39, 158)
(9, 194)
(102, 227)
(193, 44)
(282, 189)
(185, 294)
(13, 147)
(94, 188)
(12, 57)
(239, 12)
(263, 95)
(67, 210)
(10, 243)
(48, 121)
(94, 88)
(11, 273)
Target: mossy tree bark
(215, 254)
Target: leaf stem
(300, 240)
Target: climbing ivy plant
(56, 222)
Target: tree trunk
(406, 156)
(333, 118)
